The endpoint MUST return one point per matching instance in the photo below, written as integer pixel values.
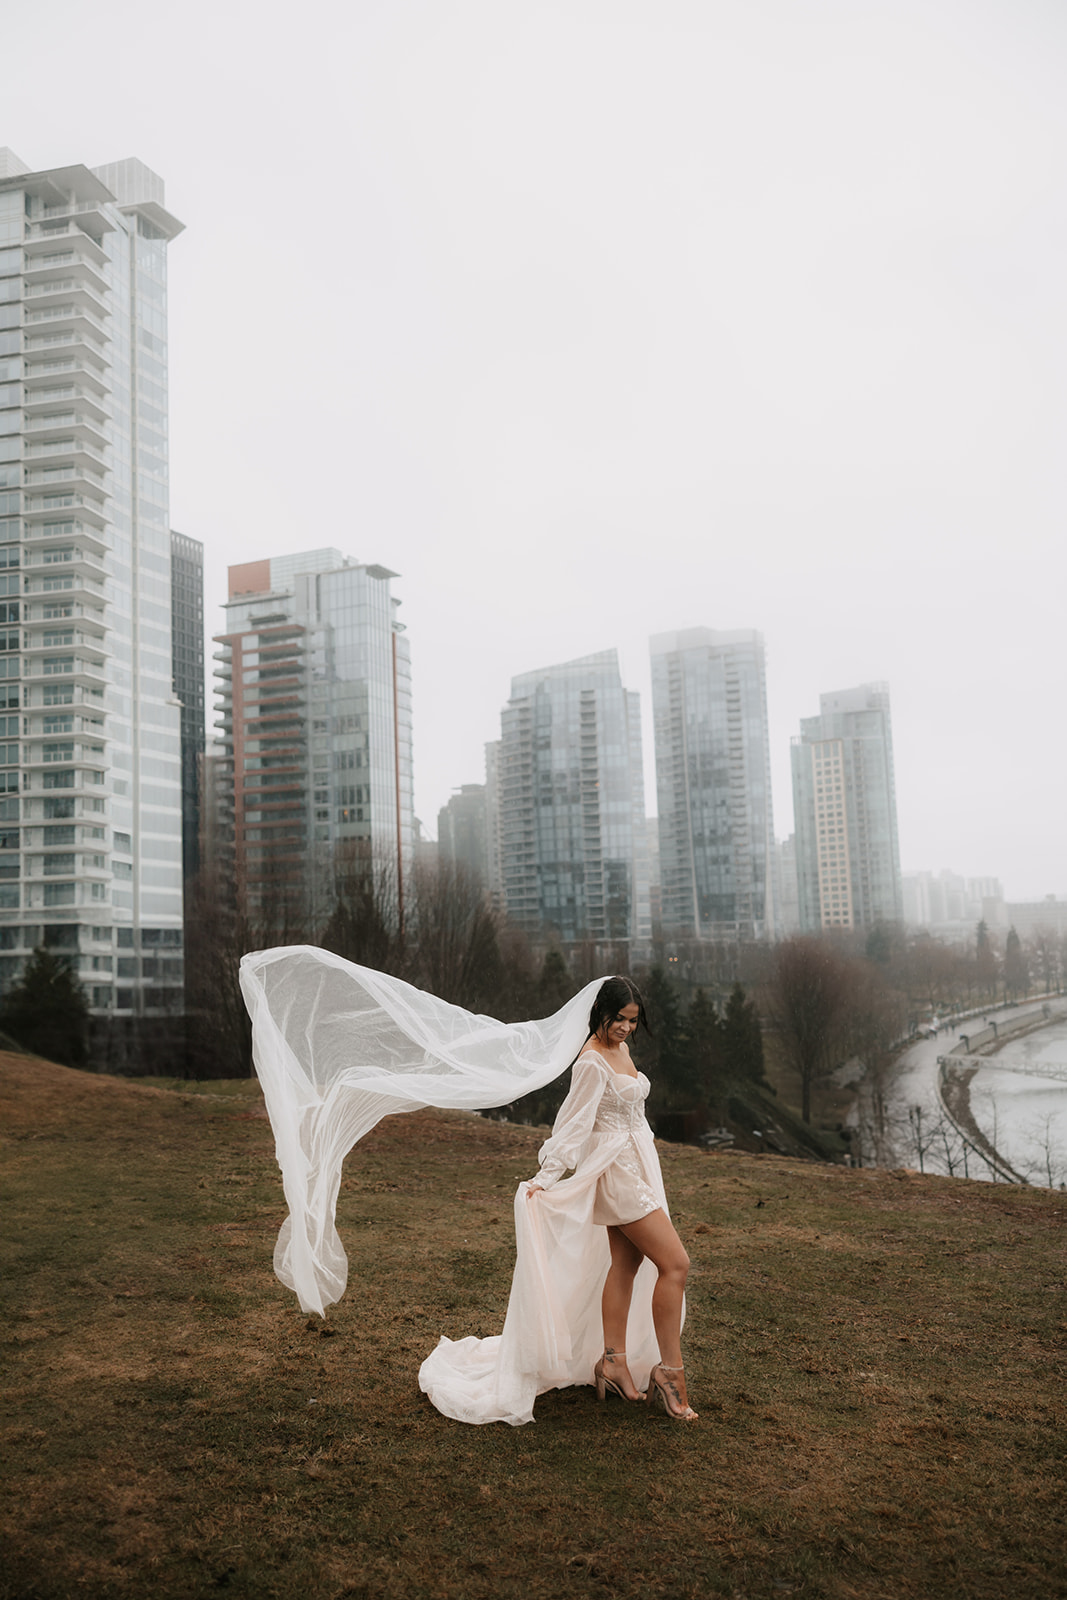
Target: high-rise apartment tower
(568, 780)
(845, 813)
(313, 694)
(90, 779)
(713, 784)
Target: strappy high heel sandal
(604, 1384)
(687, 1414)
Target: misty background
(594, 320)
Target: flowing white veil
(338, 1046)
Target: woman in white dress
(599, 1270)
(608, 1093)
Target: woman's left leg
(655, 1236)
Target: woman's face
(620, 1028)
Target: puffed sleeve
(562, 1150)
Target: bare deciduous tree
(808, 1001)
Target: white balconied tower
(90, 787)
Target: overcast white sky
(598, 318)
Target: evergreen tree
(985, 961)
(1016, 972)
(665, 1054)
(706, 1054)
(742, 1038)
(555, 986)
(46, 1012)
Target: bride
(598, 1289)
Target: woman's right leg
(615, 1309)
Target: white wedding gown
(338, 1046)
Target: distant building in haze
(713, 784)
(90, 743)
(313, 693)
(946, 902)
(571, 806)
(845, 813)
(462, 833)
(788, 897)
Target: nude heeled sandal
(604, 1383)
(656, 1388)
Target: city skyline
(761, 327)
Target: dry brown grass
(878, 1361)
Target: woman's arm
(560, 1152)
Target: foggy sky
(595, 320)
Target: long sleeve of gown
(561, 1151)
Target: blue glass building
(569, 786)
(713, 784)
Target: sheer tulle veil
(338, 1046)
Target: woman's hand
(532, 1189)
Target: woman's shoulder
(591, 1058)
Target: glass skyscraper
(313, 695)
(713, 784)
(845, 813)
(571, 811)
(90, 780)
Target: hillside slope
(878, 1361)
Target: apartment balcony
(71, 317)
(86, 727)
(72, 363)
(66, 863)
(37, 843)
(81, 785)
(91, 218)
(75, 452)
(91, 512)
(90, 352)
(34, 697)
(42, 241)
(81, 753)
(59, 397)
(74, 588)
(68, 476)
(81, 672)
(43, 548)
(76, 425)
(46, 270)
(77, 291)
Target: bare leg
(655, 1236)
(615, 1308)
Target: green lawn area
(878, 1361)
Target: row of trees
(979, 970)
(817, 1002)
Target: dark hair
(611, 997)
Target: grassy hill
(878, 1360)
